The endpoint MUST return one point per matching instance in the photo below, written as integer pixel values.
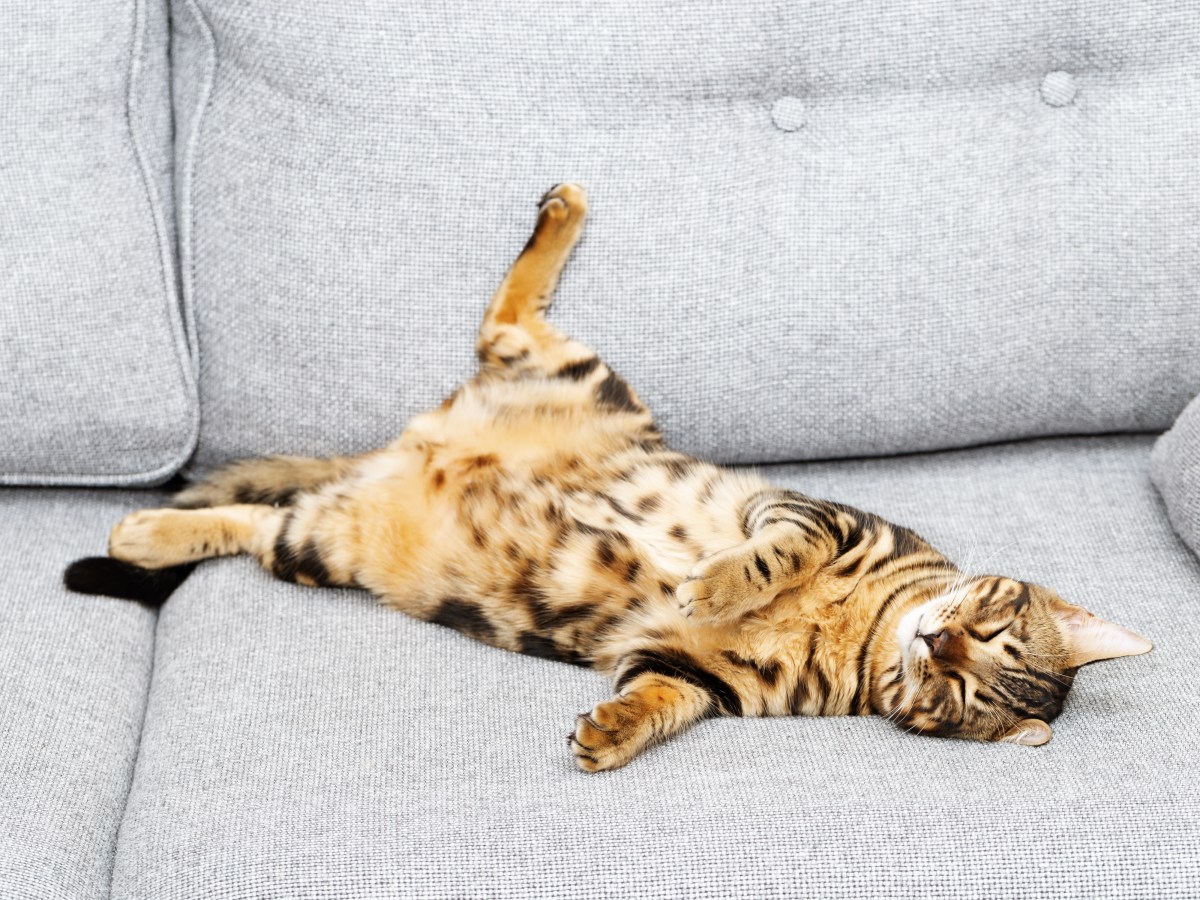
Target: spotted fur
(538, 509)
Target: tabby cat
(539, 510)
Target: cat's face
(992, 659)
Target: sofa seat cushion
(74, 672)
(304, 742)
(816, 232)
(1175, 468)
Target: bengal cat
(539, 510)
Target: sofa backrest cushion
(817, 230)
(96, 381)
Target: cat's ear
(1090, 638)
(1030, 732)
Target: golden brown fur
(538, 510)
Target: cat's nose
(935, 641)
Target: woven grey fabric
(307, 743)
(1175, 468)
(818, 231)
(96, 382)
(74, 672)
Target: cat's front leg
(617, 730)
(662, 691)
(734, 582)
(789, 539)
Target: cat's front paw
(609, 736)
(719, 587)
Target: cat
(539, 510)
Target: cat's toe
(693, 599)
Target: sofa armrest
(1175, 471)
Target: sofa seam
(185, 212)
(141, 24)
(137, 754)
(189, 329)
(187, 362)
(185, 205)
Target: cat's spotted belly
(499, 555)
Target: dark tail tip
(113, 578)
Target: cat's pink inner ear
(1030, 732)
(1090, 638)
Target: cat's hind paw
(146, 538)
(157, 538)
(564, 201)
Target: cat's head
(992, 659)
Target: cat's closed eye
(990, 635)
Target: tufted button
(788, 113)
(1059, 88)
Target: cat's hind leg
(158, 538)
(152, 551)
(290, 543)
(514, 337)
(515, 340)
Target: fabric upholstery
(1175, 468)
(818, 230)
(74, 672)
(308, 743)
(96, 381)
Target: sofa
(937, 260)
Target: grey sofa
(938, 260)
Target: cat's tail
(271, 480)
(125, 581)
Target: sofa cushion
(304, 742)
(1175, 468)
(817, 231)
(96, 382)
(73, 678)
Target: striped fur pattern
(539, 510)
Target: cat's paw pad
(606, 738)
(148, 538)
